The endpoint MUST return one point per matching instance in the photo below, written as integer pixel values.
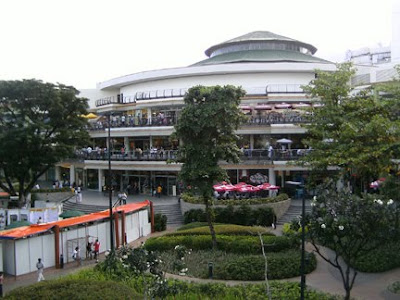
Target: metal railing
(180, 92)
(164, 155)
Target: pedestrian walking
(77, 255)
(89, 251)
(40, 267)
(96, 250)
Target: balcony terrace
(264, 91)
(165, 155)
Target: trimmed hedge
(74, 289)
(384, 258)
(194, 225)
(231, 266)
(182, 290)
(244, 215)
(233, 244)
(224, 230)
(285, 264)
(160, 222)
(197, 200)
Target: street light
(303, 237)
(110, 204)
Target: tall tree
(40, 124)
(206, 129)
(354, 132)
(351, 226)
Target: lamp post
(303, 236)
(110, 184)
(302, 268)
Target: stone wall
(279, 208)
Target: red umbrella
(219, 188)
(243, 189)
(283, 105)
(230, 187)
(273, 187)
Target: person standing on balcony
(159, 191)
(270, 152)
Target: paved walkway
(368, 286)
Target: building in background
(145, 106)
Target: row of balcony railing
(171, 121)
(164, 155)
(174, 93)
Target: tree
(206, 129)
(351, 226)
(353, 132)
(40, 124)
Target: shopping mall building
(142, 109)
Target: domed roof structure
(260, 46)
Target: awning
(22, 232)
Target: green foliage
(41, 124)
(223, 230)
(358, 132)
(395, 287)
(231, 266)
(198, 200)
(193, 225)
(384, 258)
(160, 222)
(234, 244)
(206, 127)
(87, 288)
(244, 215)
(352, 227)
(251, 267)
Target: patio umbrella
(283, 105)
(90, 116)
(284, 141)
(263, 107)
(273, 187)
(219, 188)
(301, 105)
(18, 224)
(71, 214)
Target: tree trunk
(347, 296)
(209, 211)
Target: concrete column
(100, 179)
(71, 175)
(271, 179)
(126, 144)
(58, 172)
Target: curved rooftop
(260, 46)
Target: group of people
(92, 249)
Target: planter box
(279, 208)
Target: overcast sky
(83, 42)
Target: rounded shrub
(281, 265)
(234, 244)
(160, 222)
(224, 229)
(74, 289)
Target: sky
(83, 42)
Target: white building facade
(145, 106)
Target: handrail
(164, 155)
(180, 92)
